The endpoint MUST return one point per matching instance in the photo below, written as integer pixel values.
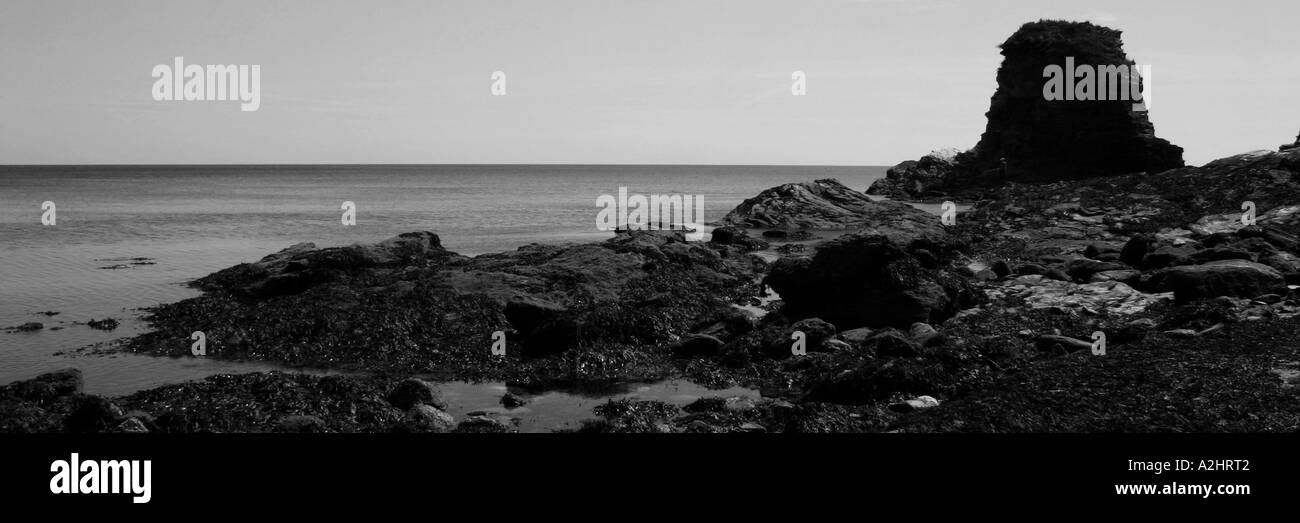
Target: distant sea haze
(161, 226)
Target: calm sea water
(188, 221)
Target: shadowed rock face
(1062, 139)
(867, 280)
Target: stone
(890, 343)
(427, 418)
(860, 280)
(1237, 278)
(131, 426)
(512, 401)
(48, 386)
(917, 178)
(1082, 269)
(828, 205)
(696, 345)
(412, 391)
(856, 337)
(914, 404)
(1127, 276)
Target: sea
(128, 237)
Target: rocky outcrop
(303, 266)
(1042, 139)
(408, 304)
(829, 205)
(918, 178)
(1292, 145)
(1237, 278)
(1029, 138)
(864, 279)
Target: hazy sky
(602, 81)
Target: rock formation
(861, 280)
(828, 205)
(1030, 138)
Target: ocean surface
(127, 237)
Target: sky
(602, 81)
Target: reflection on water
(547, 411)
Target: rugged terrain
(1133, 294)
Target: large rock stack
(1044, 139)
(1029, 138)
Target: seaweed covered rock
(409, 305)
(46, 387)
(868, 280)
(303, 266)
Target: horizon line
(3, 165)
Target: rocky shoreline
(909, 325)
(1121, 298)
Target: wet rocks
(1113, 297)
(302, 266)
(31, 326)
(1238, 278)
(737, 237)
(411, 392)
(408, 306)
(106, 324)
(427, 418)
(46, 387)
(513, 401)
(816, 331)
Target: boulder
(1082, 269)
(828, 204)
(860, 280)
(47, 387)
(1237, 278)
(427, 418)
(816, 331)
(696, 345)
(412, 391)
